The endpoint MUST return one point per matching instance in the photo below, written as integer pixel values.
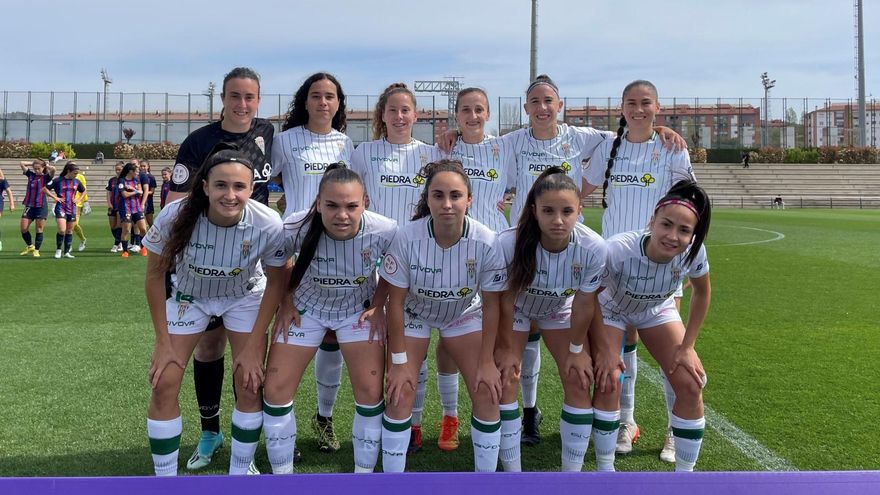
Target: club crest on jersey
(566, 148)
(261, 143)
(676, 273)
(495, 151)
(655, 157)
(366, 258)
(245, 248)
(576, 269)
(424, 159)
(181, 310)
(471, 265)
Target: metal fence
(705, 122)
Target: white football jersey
(444, 284)
(571, 146)
(341, 278)
(642, 174)
(633, 283)
(558, 276)
(486, 165)
(222, 261)
(300, 156)
(391, 175)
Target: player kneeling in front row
(642, 273)
(217, 239)
(336, 245)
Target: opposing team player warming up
(239, 126)
(643, 271)
(446, 272)
(219, 241)
(635, 170)
(337, 246)
(390, 167)
(36, 209)
(313, 138)
(555, 265)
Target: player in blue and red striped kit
(130, 206)
(113, 198)
(35, 205)
(5, 189)
(63, 190)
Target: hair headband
(540, 82)
(683, 202)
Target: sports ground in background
(790, 346)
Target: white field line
(743, 442)
(777, 236)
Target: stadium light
(768, 84)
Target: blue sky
(591, 48)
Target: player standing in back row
(312, 139)
(390, 166)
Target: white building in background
(837, 125)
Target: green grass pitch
(790, 346)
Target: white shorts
(311, 331)
(658, 315)
(187, 318)
(420, 329)
(558, 321)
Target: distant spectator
(166, 185)
(99, 157)
(778, 203)
(61, 155)
(745, 158)
(53, 157)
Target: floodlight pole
(768, 84)
(533, 58)
(863, 136)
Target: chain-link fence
(704, 122)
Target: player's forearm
(380, 296)
(699, 308)
(154, 289)
(582, 309)
(491, 312)
(504, 336)
(394, 316)
(272, 296)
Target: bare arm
(699, 308)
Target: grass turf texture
(790, 345)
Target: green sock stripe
(396, 427)
(490, 428)
(576, 419)
(369, 412)
(629, 348)
(277, 411)
(329, 347)
(510, 415)
(164, 446)
(534, 337)
(246, 436)
(688, 434)
(602, 425)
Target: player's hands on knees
(489, 376)
(376, 318)
(250, 362)
(685, 359)
(509, 364)
(580, 367)
(398, 380)
(286, 314)
(607, 370)
(164, 354)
